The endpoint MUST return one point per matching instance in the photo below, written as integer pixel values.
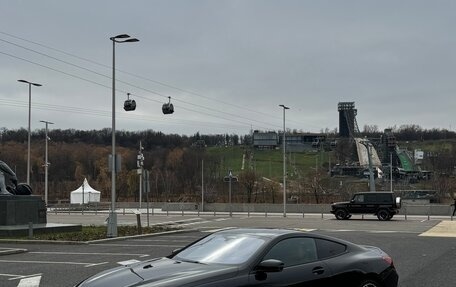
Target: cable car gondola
(168, 108)
(129, 105)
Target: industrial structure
(357, 155)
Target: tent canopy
(85, 194)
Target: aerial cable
(126, 83)
(137, 76)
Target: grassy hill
(269, 163)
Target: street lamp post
(29, 118)
(46, 163)
(112, 222)
(284, 164)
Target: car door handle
(318, 270)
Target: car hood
(159, 272)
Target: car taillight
(388, 260)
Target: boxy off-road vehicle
(382, 204)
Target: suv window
(359, 198)
(372, 198)
(384, 198)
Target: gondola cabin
(129, 105)
(168, 108)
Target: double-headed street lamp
(112, 223)
(29, 118)
(284, 164)
(46, 163)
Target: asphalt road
(421, 261)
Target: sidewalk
(443, 229)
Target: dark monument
(22, 213)
(17, 204)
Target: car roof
(267, 232)
(270, 232)
(280, 233)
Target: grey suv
(383, 204)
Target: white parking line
(140, 245)
(54, 262)
(90, 253)
(30, 282)
(15, 276)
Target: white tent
(85, 193)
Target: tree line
(175, 164)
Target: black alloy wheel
(369, 283)
(383, 215)
(341, 214)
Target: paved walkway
(445, 228)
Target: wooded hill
(176, 164)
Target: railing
(223, 209)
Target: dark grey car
(259, 257)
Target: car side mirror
(270, 265)
(352, 201)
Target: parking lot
(421, 260)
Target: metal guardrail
(220, 209)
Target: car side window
(294, 251)
(359, 198)
(371, 198)
(327, 248)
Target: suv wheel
(369, 283)
(341, 214)
(383, 215)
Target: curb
(138, 236)
(25, 241)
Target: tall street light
(112, 223)
(46, 163)
(284, 164)
(29, 118)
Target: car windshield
(222, 249)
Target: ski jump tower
(348, 127)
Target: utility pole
(391, 172)
(140, 165)
(202, 185)
(46, 164)
(284, 164)
(230, 178)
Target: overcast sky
(228, 65)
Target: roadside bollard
(138, 221)
(30, 230)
